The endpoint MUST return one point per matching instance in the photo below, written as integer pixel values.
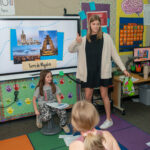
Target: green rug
(49, 142)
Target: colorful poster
(125, 10)
(131, 34)
(102, 14)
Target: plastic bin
(144, 94)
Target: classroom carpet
(42, 142)
(16, 143)
(47, 142)
(127, 134)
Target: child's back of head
(84, 118)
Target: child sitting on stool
(47, 91)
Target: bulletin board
(23, 107)
(131, 10)
(112, 21)
(103, 10)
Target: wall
(56, 8)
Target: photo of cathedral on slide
(28, 46)
(48, 41)
(27, 37)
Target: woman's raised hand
(79, 38)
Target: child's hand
(59, 101)
(37, 112)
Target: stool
(50, 127)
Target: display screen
(30, 44)
(143, 54)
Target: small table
(117, 83)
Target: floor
(137, 114)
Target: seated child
(84, 118)
(47, 91)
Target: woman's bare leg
(88, 94)
(104, 95)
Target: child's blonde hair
(84, 118)
(89, 32)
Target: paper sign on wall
(38, 65)
(7, 7)
(146, 14)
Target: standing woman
(94, 63)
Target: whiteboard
(12, 29)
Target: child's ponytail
(94, 142)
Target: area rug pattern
(127, 134)
(16, 143)
(41, 142)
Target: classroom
(74, 74)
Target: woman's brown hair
(84, 118)
(89, 32)
(41, 82)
